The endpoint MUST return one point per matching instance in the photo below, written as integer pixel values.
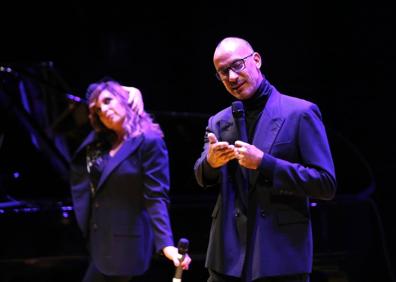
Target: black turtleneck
(254, 106)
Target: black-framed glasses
(236, 66)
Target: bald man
(261, 224)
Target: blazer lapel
(127, 149)
(267, 129)
(228, 130)
(89, 139)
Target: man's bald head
(232, 44)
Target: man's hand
(248, 156)
(219, 153)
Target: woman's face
(110, 110)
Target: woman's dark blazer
(127, 217)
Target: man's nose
(232, 75)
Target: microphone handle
(242, 129)
(178, 273)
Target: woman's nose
(103, 108)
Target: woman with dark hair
(120, 184)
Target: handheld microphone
(182, 247)
(238, 112)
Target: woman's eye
(107, 101)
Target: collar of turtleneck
(259, 98)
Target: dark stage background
(340, 56)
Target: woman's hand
(135, 99)
(172, 254)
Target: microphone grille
(182, 245)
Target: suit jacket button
(97, 205)
(263, 213)
(95, 226)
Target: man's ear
(257, 59)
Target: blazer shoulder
(293, 104)
(151, 136)
(152, 139)
(222, 115)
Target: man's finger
(240, 143)
(212, 138)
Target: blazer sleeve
(155, 166)
(313, 175)
(205, 175)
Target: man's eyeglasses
(236, 66)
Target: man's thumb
(212, 138)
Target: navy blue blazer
(297, 165)
(127, 217)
